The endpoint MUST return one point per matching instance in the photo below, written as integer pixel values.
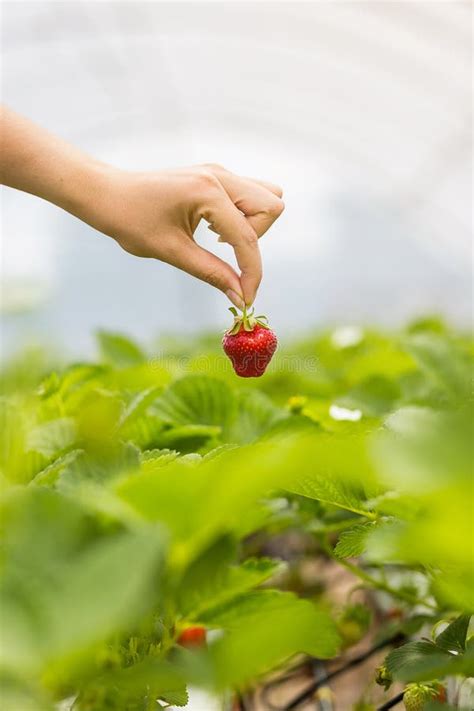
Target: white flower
(342, 413)
(346, 336)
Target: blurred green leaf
(333, 469)
(136, 407)
(432, 324)
(228, 583)
(263, 629)
(99, 467)
(197, 400)
(374, 396)
(119, 350)
(187, 438)
(255, 415)
(454, 586)
(61, 590)
(443, 361)
(197, 503)
(49, 475)
(151, 458)
(51, 438)
(352, 543)
(127, 687)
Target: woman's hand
(149, 214)
(156, 215)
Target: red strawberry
(250, 344)
(192, 637)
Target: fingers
(221, 173)
(260, 202)
(204, 265)
(240, 210)
(275, 189)
(234, 228)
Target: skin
(150, 214)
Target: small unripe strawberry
(417, 696)
(353, 623)
(383, 677)
(250, 344)
(192, 637)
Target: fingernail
(235, 298)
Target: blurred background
(360, 110)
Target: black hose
(309, 691)
(393, 702)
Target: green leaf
(197, 400)
(99, 467)
(205, 576)
(99, 594)
(432, 324)
(336, 469)
(443, 361)
(414, 421)
(180, 697)
(145, 432)
(49, 475)
(201, 502)
(136, 407)
(290, 427)
(16, 697)
(62, 591)
(352, 542)
(264, 629)
(256, 414)
(211, 595)
(454, 587)
(49, 385)
(151, 677)
(118, 349)
(331, 489)
(153, 459)
(50, 438)
(187, 438)
(77, 384)
(392, 503)
(423, 661)
(453, 638)
(374, 396)
(218, 451)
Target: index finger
(234, 229)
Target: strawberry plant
(157, 513)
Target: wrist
(79, 185)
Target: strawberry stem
(247, 320)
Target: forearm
(35, 161)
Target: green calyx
(247, 320)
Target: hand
(156, 215)
(149, 214)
